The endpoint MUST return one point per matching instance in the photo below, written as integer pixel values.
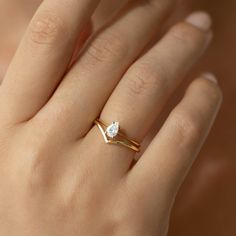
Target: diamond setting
(113, 129)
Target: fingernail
(210, 76)
(200, 20)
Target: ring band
(112, 135)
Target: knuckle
(38, 176)
(144, 76)
(37, 152)
(210, 91)
(105, 47)
(187, 36)
(119, 216)
(185, 126)
(47, 28)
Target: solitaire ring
(112, 135)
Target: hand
(58, 176)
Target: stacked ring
(112, 135)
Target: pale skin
(58, 177)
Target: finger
(143, 91)
(43, 56)
(165, 163)
(102, 64)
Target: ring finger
(141, 94)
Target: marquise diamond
(113, 129)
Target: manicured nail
(200, 20)
(210, 76)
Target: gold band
(126, 142)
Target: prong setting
(113, 129)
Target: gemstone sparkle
(113, 129)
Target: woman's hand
(58, 176)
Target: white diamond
(113, 129)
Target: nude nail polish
(200, 20)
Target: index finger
(43, 56)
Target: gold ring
(112, 135)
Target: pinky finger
(165, 163)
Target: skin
(200, 209)
(27, 118)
